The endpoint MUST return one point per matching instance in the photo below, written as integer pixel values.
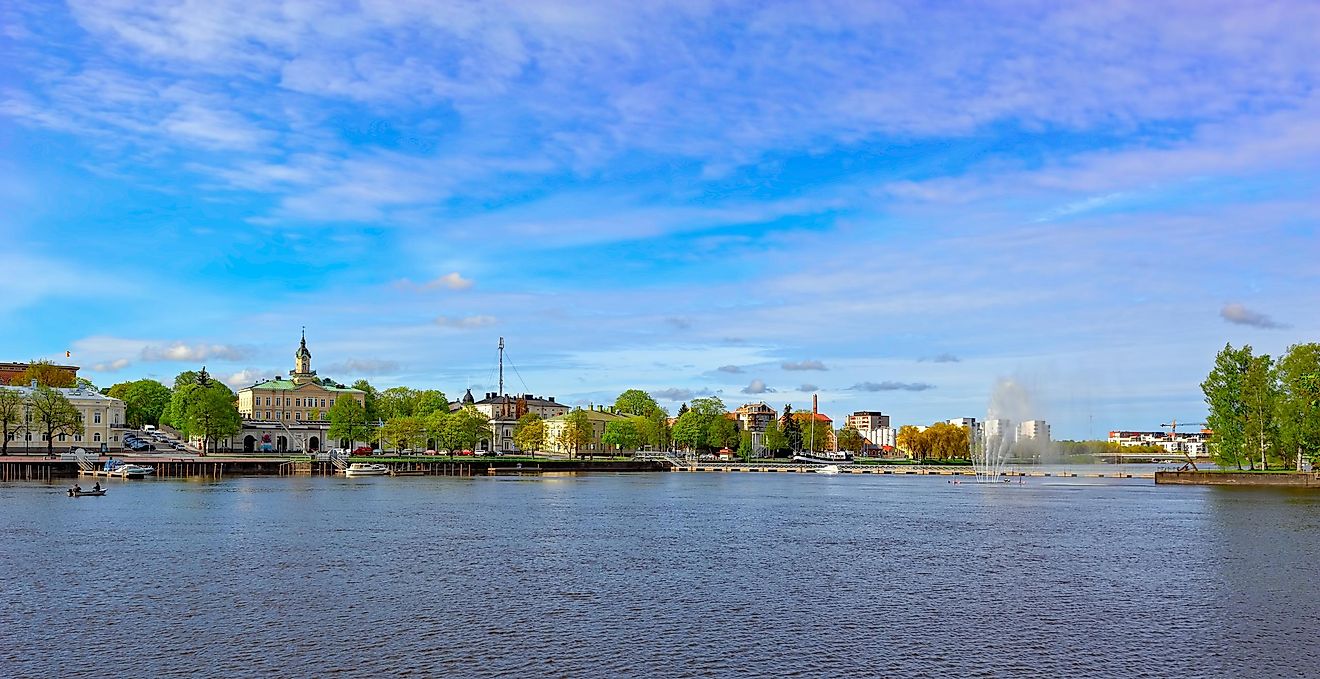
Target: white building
(504, 411)
(874, 426)
(1034, 430)
(102, 419)
(1000, 429)
(1191, 443)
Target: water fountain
(992, 443)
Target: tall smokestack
(815, 405)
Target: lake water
(681, 575)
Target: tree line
(1264, 413)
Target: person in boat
(77, 488)
(97, 487)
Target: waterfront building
(804, 417)
(874, 426)
(282, 414)
(754, 418)
(999, 429)
(1191, 443)
(1033, 430)
(10, 370)
(103, 420)
(504, 411)
(598, 417)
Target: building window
(322, 403)
(297, 415)
(96, 418)
(277, 414)
(61, 438)
(96, 437)
(267, 400)
(297, 402)
(27, 436)
(268, 414)
(77, 437)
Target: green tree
(851, 440)
(792, 429)
(1298, 403)
(690, 431)
(1228, 402)
(405, 432)
(721, 432)
(816, 433)
(910, 440)
(210, 412)
(13, 413)
(745, 445)
(1260, 395)
(623, 434)
(369, 401)
(46, 374)
(576, 431)
(396, 402)
(429, 401)
(774, 440)
(654, 428)
(635, 402)
(53, 414)
(464, 429)
(145, 401)
(529, 433)
(348, 420)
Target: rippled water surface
(684, 575)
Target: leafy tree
(909, 439)
(576, 431)
(348, 420)
(635, 402)
(774, 438)
(405, 432)
(721, 432)
(145, 401)
(1298, 403)
(428, 401)
(816, 433)
(1260, 394)
(689, 431)
(396, 402)
(745, 445)
(654, 428)
(850, 439)
(622, 433)
(369, 402)
(46, 374)
(53, 414)
(529, 433)
(682, 408)
(186, 377)
(1229, 395)
(209, 411)
(792, 429)
(463, 429)
(13, 412)
(710, 406)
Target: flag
(68, 354)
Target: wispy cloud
(1239, 314)
(112, 366)
(809, 364)
(808, 388)
(731, 369)
(464, 322)
(181, 351)
(891, 386)
(450, 281)
(673, 394)
(940, 358)
(757, 387)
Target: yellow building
(597, 418)
(302, 397)
(103, 420)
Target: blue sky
(896, 205)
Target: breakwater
(37, 469)
(1218, 478)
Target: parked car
(362, 450)
(462, 452)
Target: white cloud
(757, 387)
(731, 369)
(450, 281)
(892, 386)
(181, 351)
(112, 366)
(464, 322)
(809, 364)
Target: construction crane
(1173, 432)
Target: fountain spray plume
(1009, 403)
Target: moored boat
(86, 493)
(366, 469)
(828, 469)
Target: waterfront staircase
(675, 460)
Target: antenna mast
(501, 366)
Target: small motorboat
(828, 469)
(366, 469)
(73, 492)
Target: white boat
(125, 470)
(828, 469)
(366, 469)
(824, 457)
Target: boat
(828, 469)
(824, 457)
(366, 469)
(125, 470)
(86, 493)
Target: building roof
(282, 384)
(492, 399)
(71, 393)
(592, 414)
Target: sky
(897, 206)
